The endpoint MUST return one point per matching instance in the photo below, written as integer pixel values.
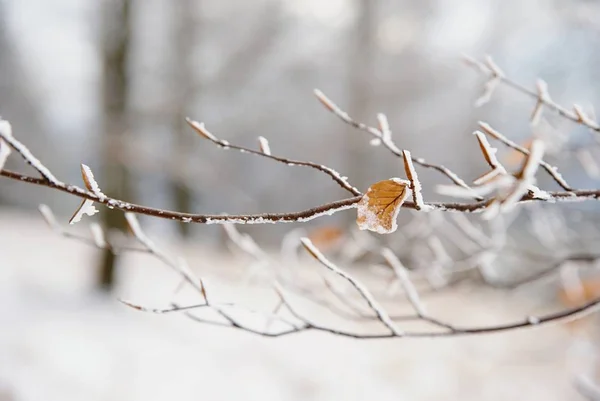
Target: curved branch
(384, 137)
(542, 97)
(337, 177)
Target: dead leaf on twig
(380, 205)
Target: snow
(416, 184)
(359, 286)
(6, 136)
(264, 145)
(489, 152)
(199, 127)
(258, 219)
(63, 341)
(90, 182)
(5, 151)
(85, 208)
(384, 126)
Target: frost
(362, 290)
(384, 126)
(489, 88)
(539, 193)
(86, 207)
(481, 190)
(402, 275)
(5, 130)
(199, 128)
(250, 219)
(264, 145)
(489, 153)
(90, 182)
(375, 142)
(6, 136)
(244, 241)
(416, 187)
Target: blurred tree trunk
(360, 61)
(115, 177)
(184, 84)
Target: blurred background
(109, 83)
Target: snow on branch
(408, 286)
(360, 288)
(551, 170)
(7, 138)
(541, 94)
(383, 135)
(264, 145)
(415, 184)
(5, 131)
(94, 195)
(493, 194)
(284, 326)
(177, 264)
(266, 152)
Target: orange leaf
(379, 207)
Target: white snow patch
(91, 183)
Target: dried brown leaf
(380, 205)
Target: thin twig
(551, 170)
(540, 96)
(385, 137)
(362, 290)
(266, 152)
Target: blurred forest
(109, 84)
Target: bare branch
(384, 136)
(7, 136)
(362, 290)
(337, 177)
(415, 184)
(407, 285)
(264, 145)
(179, 266)
(541, 96)
(5, 151)
(552, 171)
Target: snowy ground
(59, 340)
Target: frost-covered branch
(551, 170)
(279, 325)
(92, 193)
(265, 151)
(383, 136)
(360, 288)
(541, 94)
